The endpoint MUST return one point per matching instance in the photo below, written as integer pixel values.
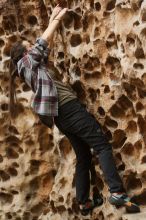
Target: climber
(56, 102)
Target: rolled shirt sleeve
(38, 53)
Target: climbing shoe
(89, 205)
(123, 200)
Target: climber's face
(26, 44)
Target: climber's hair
(16, 53)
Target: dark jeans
(84, 132)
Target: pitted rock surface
(100, 49)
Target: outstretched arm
(57, 16)
(39, 51)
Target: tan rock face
(100, 50)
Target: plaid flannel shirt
(33, 69)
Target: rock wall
(100, 50)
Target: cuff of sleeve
(42, 43)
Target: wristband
(56, 19)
